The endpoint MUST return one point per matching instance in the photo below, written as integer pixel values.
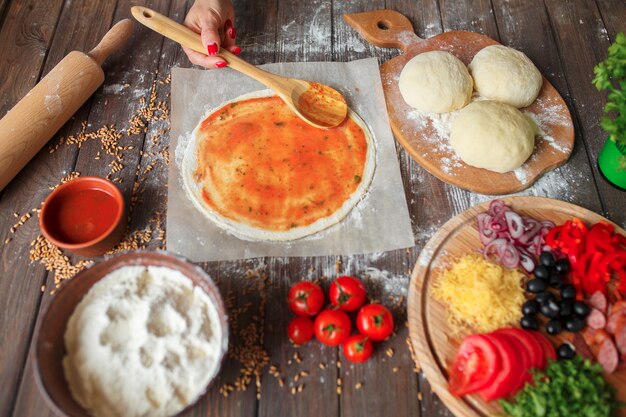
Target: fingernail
(228, 24)
(212, 48)
(233, 33)
(236, 50)
(220, 64)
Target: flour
(53, 104)
(143, 341)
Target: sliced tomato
(548, 350)
(474, 367)
(523, 356)
(534, 349)
(508, 373)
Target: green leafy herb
(610, 75)
(565, 388)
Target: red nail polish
(236, 50)
(220, 64)
(233, 33)
(212, 48)
(228, 24)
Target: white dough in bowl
(436, 81)
(143, 341)
(505, 74)
(493, 135)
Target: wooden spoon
(317, 104)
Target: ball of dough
(506, 75)
(436, 81)
(493, 135)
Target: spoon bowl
(317, 104)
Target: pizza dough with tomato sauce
(260, 172)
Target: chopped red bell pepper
(596, 254)
(599, 238)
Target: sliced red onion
(494, 249)
(485, 233)
(514, 223)
(510, 256)
(527, 261)
(511, 239)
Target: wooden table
(564, 38)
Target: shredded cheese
(481, 296)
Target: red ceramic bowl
(50, 349)
(85, 216)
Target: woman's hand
(213, 20)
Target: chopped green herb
(357, 179)
(279, 123)
(573, 387)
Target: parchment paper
(379, 222)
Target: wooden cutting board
(428, 327)
(426, 139)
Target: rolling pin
(26, 128)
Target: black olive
(544, 297)
(574, 324)
(568, 292)
(567, 308)
(542, 272)
(565, 351)
(556, 281)
(529, 323)
(554, 326)
(562, 266)
(581, 309)
(547, 311)
(554, 306)
(536, 286)
(547, 259)
(530, 307)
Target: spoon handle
(190, 39)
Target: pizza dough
(507, 75)
(493, 135)
(259, 172)
(436, 81)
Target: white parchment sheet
(379, 222)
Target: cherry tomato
(332, 327)
(300, 330)
(357, 348)
(305, 298)
(474, 367)
(347, 293)
(375, 321)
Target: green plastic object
(608, 163)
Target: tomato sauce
(82, 216)
(260, 164)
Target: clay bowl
(86, 216)
(49, 344)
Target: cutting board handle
(384, 28)
(117, 36)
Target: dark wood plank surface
(564, 39)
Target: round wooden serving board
(428, 326)
(425, 139)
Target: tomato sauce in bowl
(84, 216)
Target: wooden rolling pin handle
(190, 39)
(384, 28)
(26, 128)
(116, 36)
